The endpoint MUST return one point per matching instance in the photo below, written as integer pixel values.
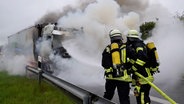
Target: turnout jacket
(108, 65)
(139, 59)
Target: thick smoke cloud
(17, 15)
(97, 18)
(133, 5)
(168, 37)
(20, 14)
(13, 64)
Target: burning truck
(38, 42)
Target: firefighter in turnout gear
(114, 62)
(139, 64)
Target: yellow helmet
(133, 34)
(115, 34)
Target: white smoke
(16, 66)
(96, 19)
(13, 64)
(87, 47)
(17, 15)
(43, 47)
(99, 17)
(133, 5)
(168, 38)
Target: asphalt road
(176, 92)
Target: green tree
(180, 16)
(146, 29)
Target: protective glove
(137, 90)
(118, 70)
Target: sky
(19, 14)
(173, 5)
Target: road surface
(176, 92)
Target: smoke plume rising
(97, 18)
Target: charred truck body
(37, 43)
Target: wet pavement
(175, 92)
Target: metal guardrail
(86, 96)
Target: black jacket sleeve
(106, 58)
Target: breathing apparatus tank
(116, 60)
(115, 54)
(151, 46)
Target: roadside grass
(22, 90)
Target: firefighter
(114, 64)
(138, 61)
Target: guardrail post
(40, 67)
(36, 71)
(40, 76)
(87, 99)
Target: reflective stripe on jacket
(125, 77)
(107, 64)
(139, 62)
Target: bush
(146, 29)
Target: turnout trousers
(123, 90)
(143, 97)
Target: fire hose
(157, 89)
